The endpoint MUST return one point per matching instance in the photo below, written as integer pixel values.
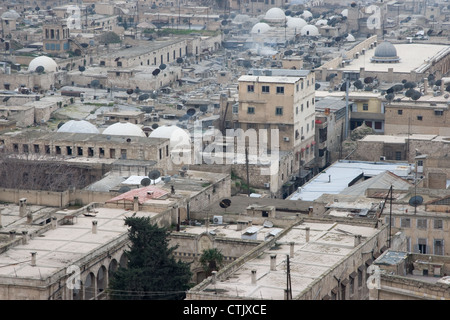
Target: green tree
(152, 272)
(211, 260)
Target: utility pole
(246, 165)
(288, 280)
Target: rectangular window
(405, 222)
(420, 118)
(439, 247)
(392, 221)
(438, 112)
(251, 110)
(297, 87)
(422, 223)
(360, 278)
(36, 148)
(265, 89)
(280, 90)
(365, 106)
(422, 245)
(69, 150)
(80, 151)
(47, 149)
(250, 88)
(398, 155)
(101, 152)
(279, 111)
(25, 148)
(235, 109)
(399, 111)
(301, 109)
(438, 224)
(112, 153)
(296, 110)
(378, 125)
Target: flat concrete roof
(329, 244)
(413, 56)
(59, 248)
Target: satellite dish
(124, 189)
(415, 201)
(203, 108)
(190, 112)
(155, 174)
(95, 83)
(225, 203)
(130, 91)
(144, 96)
(145, 182)
(155, 125)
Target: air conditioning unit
(382, 158)
(266, 185)
(217, 219)
(286, 139)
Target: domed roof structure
(385, 53)
(10, 15)
(296, 23)
(48, 63)
(309, 30)
(306, 14)
(179, 138)
(260, 27)
(321, 22)
(275, 15)
(76, 126)
(124, 129)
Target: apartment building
(282, 100)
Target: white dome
(321, 22)
(275, 14)
(81, 126)
(350, 38)
(48, 63)
(11, 14)
(179, 138)
(124, 129)
(306, 14)
(309, 30)
(296, 23)
(344, 13)
(260, 27)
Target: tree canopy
(152, 272)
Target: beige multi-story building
(282, 100)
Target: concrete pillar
(292, 244)
(22, 207)
(29, 218)
(136, 203)
(357, 240)
(307, 234)
(253, 276)
(94, 227)
(273, 262)
(33, 259)
(310, 211)
(54, 222)
(213, 277)
(24, 237)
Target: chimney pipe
(273, 262)
(292, 249)
(253, 276)
(29, 218)
(94, 226)
(307, 234)
(357, 240)
(54, 222)
(33, 259)
(22, 207)
(24, 237)
(136, 203)
(310, 211)
(12, 235)
(213, 277)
